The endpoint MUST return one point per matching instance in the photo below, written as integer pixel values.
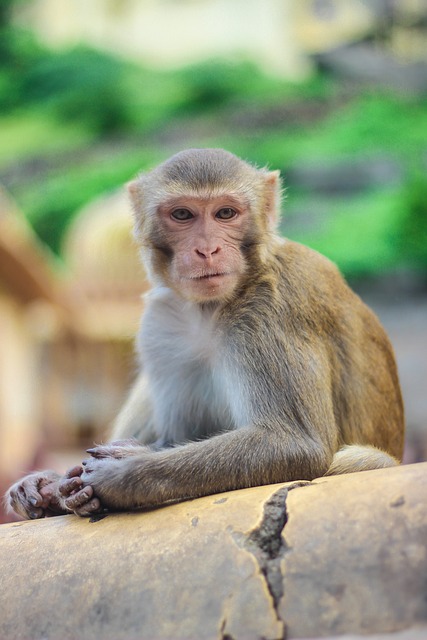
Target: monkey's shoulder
(294, 275)
(298, 290)
(306, 276)
(315, 292)
(300, 262)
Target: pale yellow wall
(410, 46)
(277, 34)
(172, 33)
(19, 392)
(342, 21)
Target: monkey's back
(318, 304)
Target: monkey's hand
(77, 492)
(76, 496)
(109, 474)
(36, 496)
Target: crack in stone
(225, 636)
(267, 544)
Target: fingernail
(33, 501)
(91, 451)
(33, 515)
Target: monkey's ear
(272, 191)
(135, 193)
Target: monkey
(258, 363)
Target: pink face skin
(205, 236)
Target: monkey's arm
(247, 457)
(292, 436)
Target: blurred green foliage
(414, 220)
(77, 123)
(79, 85)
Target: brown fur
(259, 364)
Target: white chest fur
(192, 384)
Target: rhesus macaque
(258, 363)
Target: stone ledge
(336, 556)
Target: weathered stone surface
(178, 572)
(343, 555)
(357, 559)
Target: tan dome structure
(106, 274)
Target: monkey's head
(203, 219)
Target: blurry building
(281, 36)
(383, 42)
(66, 337)
(106, 276)
(106, 283)
(325, 25)
(32, 309)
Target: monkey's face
(198, 243)
(204, 219)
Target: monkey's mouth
(209, 276)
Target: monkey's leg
(352, 458)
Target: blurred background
(331, 92)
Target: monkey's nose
(207, 253)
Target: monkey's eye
(227, 213)
(181, 215)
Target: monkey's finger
(109, 451)
(103, 451)
(35, 514)
(21, 505)
(28, 492)
(117, 450)
(79, 499)
(74, 471)
(25, 499)
(88, 509)
(47, 492)
(67, 486)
